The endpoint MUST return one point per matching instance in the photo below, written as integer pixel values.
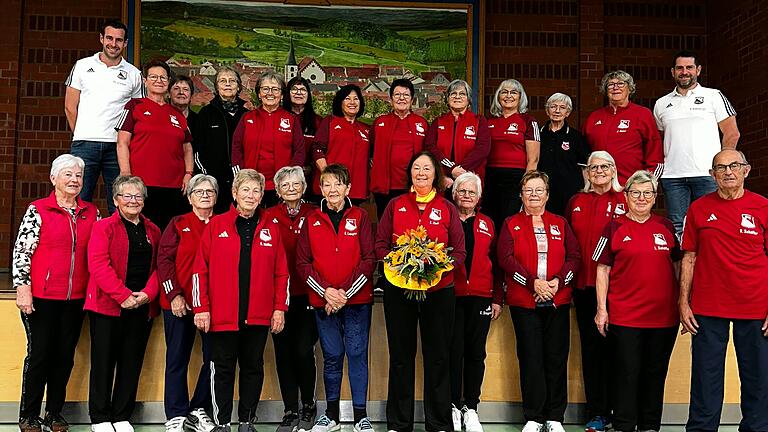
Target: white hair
(602, 154)
(464, 178)
(640, 177)
(513, 84)
(200, 179)
(66, 161)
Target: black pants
(470, 331)
(641, 361)
(434, 318)
(179, 340)
(117, 354)
(295, 354)
(162, 204)
(382, 199)
(53, 330)
(708, 348)
(543, 337)
(228, 349)
(596, 364)
(501, 197)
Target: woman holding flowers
(420, 239)
(540, 255)
(334, 256)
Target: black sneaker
(290, 422)
(30, 424)
(247, 426)
(307, 420)
(55, 423)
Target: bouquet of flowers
(417, 263)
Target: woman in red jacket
(50, 273)
(269, 137)
(589, 212)
(423, 206)
(295, 345)
(478, 301)
(344, 140)
(460, 139)
(297, 99)
(539, 255)
(239, 295)
(515, 149)
(395, 137)
(334, 256)
(121, 259)
(175, 259)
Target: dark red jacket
(441, 220)
(518, 257)
(482, 280)
(290, 228)
(465, 141)
(342, 260)
(176, 257)
(215, 282)
(339, 141)
(589, 213)
(382, 134)
(267, 142)
(59, 265)
(108, 265)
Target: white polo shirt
(104, 91)
(690, 130)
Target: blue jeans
(100, 159)
(179, 340)
(345, 331)
(708, 349)
(680, 192)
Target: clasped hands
(544, 290)
(335, 299)
(136, 300)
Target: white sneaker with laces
(122, 426)
(198, 421)
(175, 424)
(364, 425)
(456, 415)
(471, 420)
(555, 426)
(325, 424)
(102, 427)
(533, 426)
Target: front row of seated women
(228, 276)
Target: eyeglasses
(268, 90)
(601, 167)
(635, 194)
(204, 192)
(618, 85)
(180, 89)
(554, 107)
(466, 192)
(734, 166)
(129, 197)
(289, 185)
(509, 93)
(154, 77)
(537, 191)
(298, 90)
(227, 81)
(457, 94)
(401, 96)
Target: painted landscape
(332, 46)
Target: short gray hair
(270, 75)
(222, 70)
(454, 86)
(641, 177)
(621, 76)
(560, 97)
(602, 154)
(288, 171)
(66, 161)
(200, 179)
(127, 180)
(245, 175)
(468, 176)
(514, 84)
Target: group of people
(213, 213)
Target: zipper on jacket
(73, 229)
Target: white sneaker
(456, 416)
(364, 425)
(102, 427)
(555, 426)
(325, 424)
(175, 424)
(122, 426)
(198, 421)
(471, 420)
(533, 426)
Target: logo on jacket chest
(285, 125)
(660, 242)
(482, 228)
(623, 126)
(350, 227)
(435, 216)
(420, 128)
(470, 132)
(554, 231)
(175, 121)
(748, 224)
(265, 237)
(512, 129)
(566, 145)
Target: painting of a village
(329, 46)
